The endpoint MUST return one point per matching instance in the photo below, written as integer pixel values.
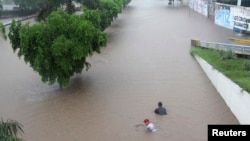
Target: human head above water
(146, 120)
(160, 104)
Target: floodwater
(146, 60)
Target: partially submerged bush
(229, 54)
(10, 129)
(246, 65)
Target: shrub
(10, 129)
(246, 65)
(229, 54)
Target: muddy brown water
(146, 60)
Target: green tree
(116, 6)
(9, 130)
(58, 48)
(47, 7)
(70, 8)
(2, 31)
(108, 11)
(126, 2)
(91, 4)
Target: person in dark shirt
(160, 110)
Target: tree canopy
(58, 48)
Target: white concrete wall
(9, 6)
(186, 2)
(236, 99)
(199, 6)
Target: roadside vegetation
(10, 130)
(57, 46)
(235, 67)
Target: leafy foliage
(2, 31)
(108, 11)
(46, 7)
(70, 8)
(91, 4)
(9, 130)
(58, 48)
(126, 2)
(93, 16)
(246, 65)
(229, 54)
(14, 34)
(232, 68)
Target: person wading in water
(150, 127)
(160, 110)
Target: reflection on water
(146, 60)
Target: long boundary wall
(199, 6)
(232, 17)
(235, 97)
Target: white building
(9, 7)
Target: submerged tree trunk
(70, 8)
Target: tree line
(57, 46)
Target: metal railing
(238, 49)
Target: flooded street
(146, 60)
